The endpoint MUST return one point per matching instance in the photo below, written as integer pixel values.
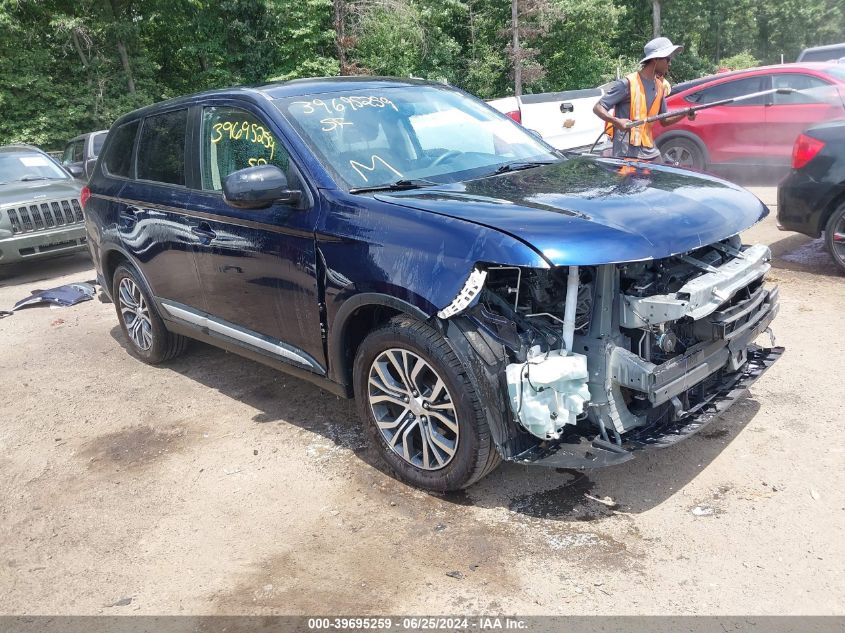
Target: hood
(587, 211)
(14, 193)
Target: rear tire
(421, 410)
(684, 153)
(147, 338)
(834, 236)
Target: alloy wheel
(413, 409)
(837, 239)
(135, 313)
(679, 156)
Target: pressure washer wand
(704, 106)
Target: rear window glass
(98, 142)
(161, 148)
(730, 90)
(118, 157)
(822, 55)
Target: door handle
(204, 232)
(129, 216)
(130, 212)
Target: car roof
(19, 147)
(86, 135)
(826, 47)
(282, 89)
(750, 72)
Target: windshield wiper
(517, 165)
(398, 185)
(31, 178)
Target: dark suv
(480, 295)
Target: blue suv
(481, 295)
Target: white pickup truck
(565, 120)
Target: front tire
(147, 338)
(684, 153)
(834, 236)
(421, 410)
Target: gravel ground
(216, 485)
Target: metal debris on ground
(64, 296)
(608, 501)
(455, 574)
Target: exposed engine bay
(624, 355)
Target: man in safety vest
(638, 96)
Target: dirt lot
(216, 485)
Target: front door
(257, 267)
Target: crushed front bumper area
(584, 453)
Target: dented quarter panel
(587, 211)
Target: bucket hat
(660, 47)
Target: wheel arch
(356, 318)
(111, 259)
(831, 207)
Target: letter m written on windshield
(361, 167)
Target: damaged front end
(581, 365)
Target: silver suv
(40, 211)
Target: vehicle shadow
(634, 487)
(799, 253)
(48, 269)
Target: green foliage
(577, 52)
(72, 66)
(740, 61)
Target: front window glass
(234, 139)
(161, 148)
(67, 157)
(368, 138)
(814, 87)
(28, 165)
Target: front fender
(377, 254)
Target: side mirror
(258, 187)
(74, 170)
(567, 107)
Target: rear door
(733, 133)
(152, 221)
(814, 100)
(257, 266)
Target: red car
(758, 132)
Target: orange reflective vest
(641, 136)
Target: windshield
(838, 73)
(23, 166)
(367, 138)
